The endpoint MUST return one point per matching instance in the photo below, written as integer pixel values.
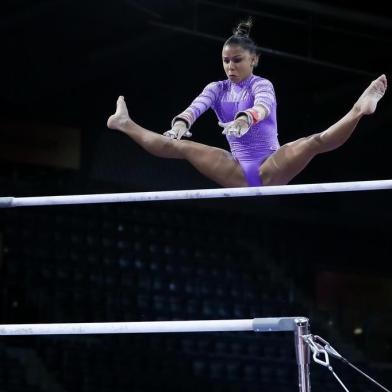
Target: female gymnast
(245, 105)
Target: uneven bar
(269, 324)
(355, 186)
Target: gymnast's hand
(178, 130)
(236, 128)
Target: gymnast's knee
(314, 138)
(315, 142)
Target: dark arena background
(326, 257)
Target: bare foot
(120, 118)
(367, 102)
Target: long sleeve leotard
(227, 99)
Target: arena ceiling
(50, 47)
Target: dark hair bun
(243, 28)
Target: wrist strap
(253, 116)
(256, 116)
(180, 118)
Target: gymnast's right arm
(182, 123)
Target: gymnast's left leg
(282, 166)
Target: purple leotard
(227, 99)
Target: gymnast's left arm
(264, 99)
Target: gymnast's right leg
(216, 164)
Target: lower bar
(126, 327)
(270, 324)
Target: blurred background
(326, 257)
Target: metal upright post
(302, 353)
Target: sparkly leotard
(227, 99)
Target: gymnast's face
(238, 63)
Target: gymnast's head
(240, 53)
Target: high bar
(295, 189)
